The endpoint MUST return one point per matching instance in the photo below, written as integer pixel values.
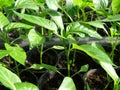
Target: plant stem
(41, 47)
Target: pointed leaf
(52, 4)
(30, 4)
(3, 53)
(41, 66)
(3, 20)
(25, 86)
(39, 21)
(77, 28)
(17, 25)
(17, 53)
(67, 84)
(57, 17)
(58, 47)
(112, 18)
(94, 52)
(110, 70)
(8, 78)
(35, 38)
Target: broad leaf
(41, 66)
(77, 28)
(35, 38)
(39, 21)
(3, 20)
(30, 4)
(25, 86)
(17, 53)
(17, 25)
(8, 78)
(3, 53)
(94, 52)
(115, 6)
(67, 84)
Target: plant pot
(51, 80)
(50, 57)
(28, 76)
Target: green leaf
(110, 70)
(17, 25)
(50, 25)
(25, 86)
(8, 78)
(58, 47)
(6, 3)
(3, 20)
(3, 53)
(77, 28)
(57, 17)
(112, 18)
(35, 38)
(115, 6)
(100, 4)
(29, 4)
(17, 53)
(84, 68)
(71, 39)
(41, 66)
(94, 52)
(52, 4)
(67, 84)
(96, 24)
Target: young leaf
(52, 4)
(25, 86)
(17, 53)
(29, 4)
(41, 66)
(35, 38)
(8, 78)
(17, 25)
(57, 17)
(3, 53)
(58, 47)
(3, 20)
(77, 28)
(115, 6)
(67, 84)
(50, 25)
(6, 3)
(112, 18)
(94, 52)
(110, 70)
(84, 68)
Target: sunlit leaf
(67, 84)
(94, 52)
(17, 25)
(115, 6)
(17, 53)
(50, 25)
(41, 66)
(77, 28)
(3, 20)
(35, 38)
(8, 78)
(30, 4)
(6, 3)
(112, 18)
(25, 86)
(3, 53)
(58, 47)
(52, 4)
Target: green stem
(41, 47)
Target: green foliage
(115, 6)
(67, 84)
(6, 3)
(35, 38)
